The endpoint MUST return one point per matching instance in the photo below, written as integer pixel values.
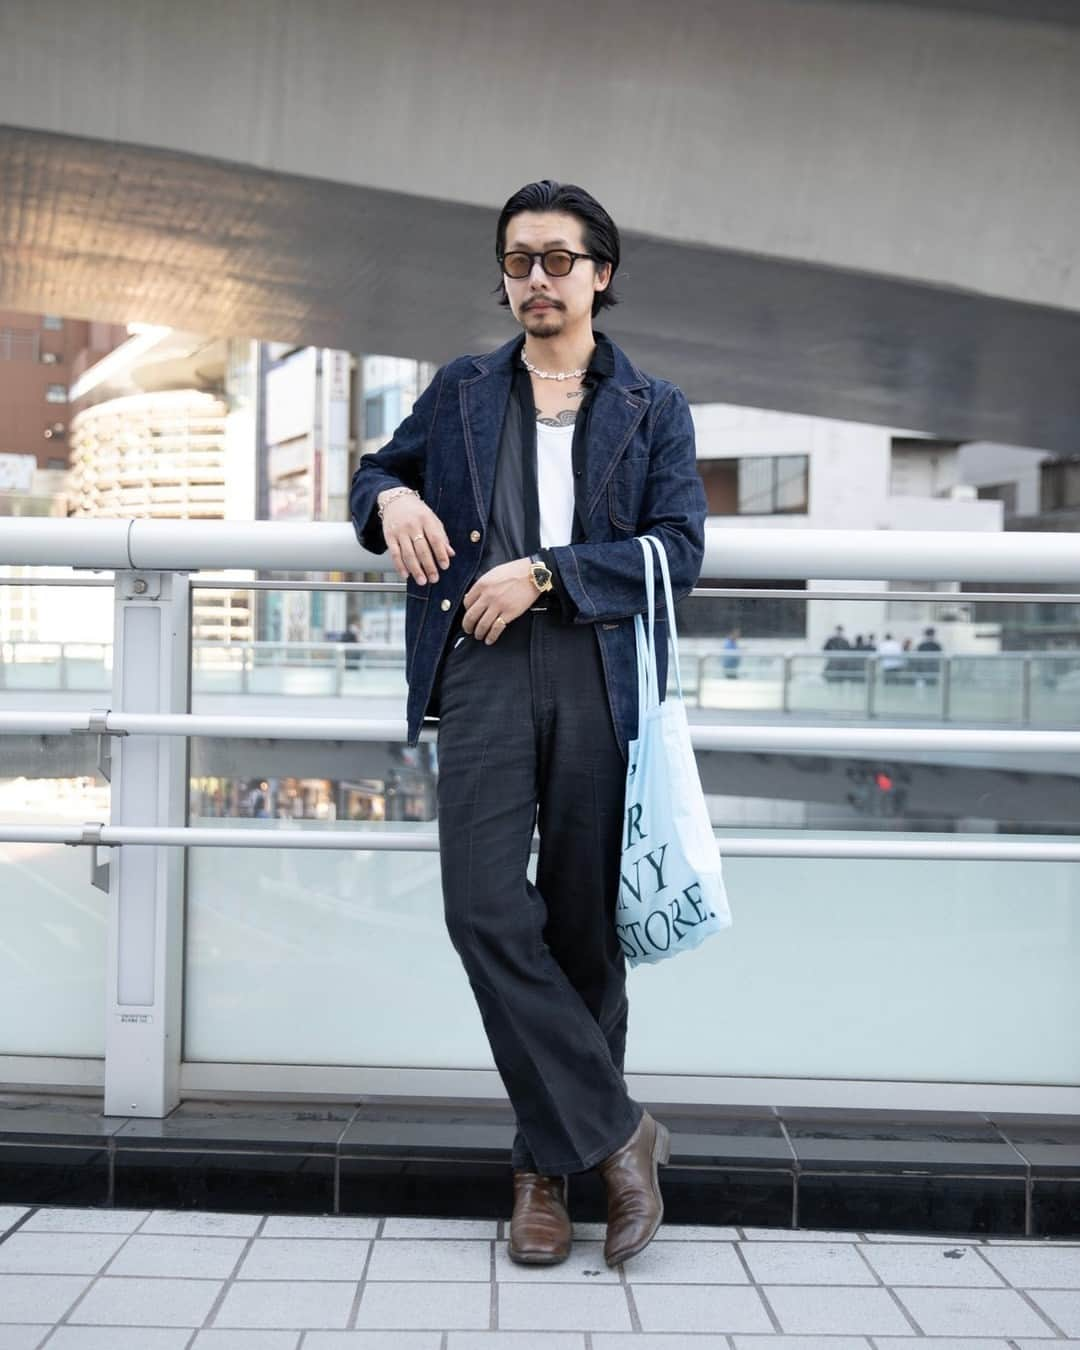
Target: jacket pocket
(625, 490)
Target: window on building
(792, 484)
(18, 344)
(1059, 484)
(758, 485)
(53, 323)
(373, 417)
(1000, 492)
(382, 412)
(56, 393)
(56, 463)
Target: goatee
(543, 325)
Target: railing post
(1025, 690)
(145, 961)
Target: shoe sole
(526, 1259)
(661, 1152)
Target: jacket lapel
(617, 411)
(483, 407)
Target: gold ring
(416, 537)
(501, 620)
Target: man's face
(547, 306)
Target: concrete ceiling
(1063, 12)
(123, 233)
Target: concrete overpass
(858, 208)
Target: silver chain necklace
(551, 374)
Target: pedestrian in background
(731, 660)
(836, 668)
(891, 659)
(928, 667)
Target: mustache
(552, 304)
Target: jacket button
(474, 538)
(445, 606)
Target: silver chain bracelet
(396, 492)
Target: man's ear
(603, 276)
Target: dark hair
(601, 233)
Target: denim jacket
(639, 477)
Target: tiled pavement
(105, 1279)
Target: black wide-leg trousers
(526, 740)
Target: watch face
(541, 575)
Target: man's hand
(416, 539)
(498, 598)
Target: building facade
(764, 469)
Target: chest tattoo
(566, 418)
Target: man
(928, 668)
(892, 659)
(836, 668)
(731, 659)
(510, 499)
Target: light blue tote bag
(671, 890)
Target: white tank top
(555, 483)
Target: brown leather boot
(635, 1205)
(540, 1231)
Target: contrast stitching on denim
(641, 410)
(662, 404)
(610, 698)
(469, 446)
(619, 524)
(584, 592)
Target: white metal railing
(380, 840)
(150, 690)
(731, 738)
(801, 739)
(916, 555)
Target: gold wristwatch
(540, 573)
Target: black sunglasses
(556, 262)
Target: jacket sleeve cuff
(566, 604)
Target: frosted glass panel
(878, 969)
(53, 923)
(323, 958)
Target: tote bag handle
(648, 677)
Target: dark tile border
(987, 1206)
(215, 1179)
(1055, 1206)
(952, 1173)
(53, 1174)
